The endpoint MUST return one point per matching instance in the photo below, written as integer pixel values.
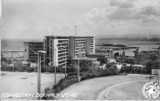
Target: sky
(102, 18)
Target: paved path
(104, 94)
(100, 88)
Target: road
(24, 82)
(125, 87)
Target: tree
(85, 65)
(102, 60)
(153, 57)
(154, 63)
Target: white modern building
(60, 52)
(61, 49)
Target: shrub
(152, 65)
(113, 70)
(132, 69)
(130, 61)
(86, 72)
(65, 82)
(87, 75)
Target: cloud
(105, 18)
(35, 18)
(150, 10)
(122, 17)
(129, 11)
(122, 3)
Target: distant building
(13, 54)
(112, 50)
(156, 72)
(61, 49)
(31, 48)
(12, 49)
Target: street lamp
(55, 68)
(78, 64)
(78, 71)
(50, 63)
(39, 53)
(65, 71)
(66, 66)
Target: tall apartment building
(61, 49)
(57, 50)
(81, 46)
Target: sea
(143, 45)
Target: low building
(13, 54)
(12, 49)
(31, 48)
(156, 72)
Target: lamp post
(66, 62)
(39, 74)
(51, 64)
(39, 53)
(78, 71)
(78, 65)
(39, 71)
(55, 70)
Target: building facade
(61, 49)
(31, 48)
(81, 46)
(57, 50)
(12, 49)
(13, 54)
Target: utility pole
(55, 70)
(65, 70)
(43, 63)
(44, 57)
(78, 71)
(39, 74)
(78, 67)
(39, 53)
(39, 71)
(66, 63)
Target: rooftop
(59, 37)
(85, 58)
